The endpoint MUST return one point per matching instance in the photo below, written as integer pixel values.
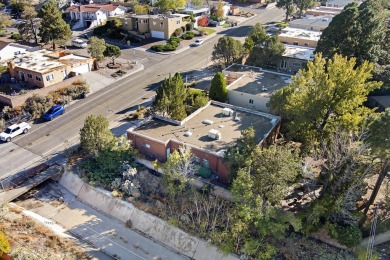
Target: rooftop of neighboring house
(195, 10)
(228, 128)
(92, 8)
(298, 52)
(325, 10)
(339, 3)
(26, 45)
(154, 16)
(322, 20)
(384, 101)
(254, 80)
(300, 33)
(44, 61)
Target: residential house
(313, 23)
(45, 68)
(251, 87)
(295, 58)
(323, 10)
(339, 3)
(198, 13)
(209, 132)
(301, 37)
(92, 15)
(157, 26)
(9, 50)
(379, 102)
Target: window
(297, 64)
(250, 101)
(196, 159)
(37, 78)
(29, 76)
(283, 64)
(177, 22)
(161, 24)
(145, 145)
(49, 77)
(295, 43)
(205, 163)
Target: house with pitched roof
(92, 15)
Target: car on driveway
(53, 112)
(14, 130)
(197, 42)
(79, 43)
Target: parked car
(79, 43)
(14, 130)
(197, 42)
(53, 112)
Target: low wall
(16, 101)
(154, 227)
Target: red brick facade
(155, 149)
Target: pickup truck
(14, 130)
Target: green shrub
(3, 33)
(3, 69)
(158, 47)
(349, 236)
(183, 28)
(188, 35)
(204, 172)
(170, 47)
(196, 98)
(174, 39)
(16, 36)
(189, 26)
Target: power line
(371, 241)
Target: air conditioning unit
(188, 133)
(215, 134)
(227, 111)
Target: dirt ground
(31, 240)
(120, 68)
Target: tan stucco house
(156, 26)
(45, 68)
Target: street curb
(142, 67)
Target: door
(16, 132)
(168, 152)
(22, 76)
(157, 34)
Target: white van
(79, 43)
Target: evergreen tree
(96, 48)
(29, 27)
(218, 89)
(95, 136)
(112, 52)
(170, 97)
(303, 5)
(53, 28)
(328, 94)
(287, 5)
(227, 51)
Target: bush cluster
(189, 26)
(196, 98)
(172, 44)
(188, 35)
(112, 29)
(349, 236)
(16, 37)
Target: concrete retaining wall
(151, 225)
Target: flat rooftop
(300, 33)
(230, 130)
(256, 81)
(44, 61)
(322, 20)
(298, 52)
(153, 16)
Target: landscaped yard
(208, 31)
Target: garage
(81, 69)
(157, 34)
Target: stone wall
(152, 226)
(16, 101)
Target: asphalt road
(48, 138)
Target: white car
(79, 43)
(198, 42)
(14, 130)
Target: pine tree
(53, 28)
(218, 91)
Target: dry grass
(29, 236)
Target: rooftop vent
(237, 119)
(221, 126)
(207, 122)
(188, 133)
